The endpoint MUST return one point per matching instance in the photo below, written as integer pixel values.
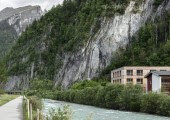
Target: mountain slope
(77, 40)
(13, 22)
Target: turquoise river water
(81, 112)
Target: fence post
(31, 111)
(38, 114)
(28, 107)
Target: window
(113, 75)
(152, 70)
(129, 72)
(117, 81)
(139, 81)
(162, 70)
(140, 72)
(117, 73)
(129, 80)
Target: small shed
(158, 81)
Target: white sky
(45, 4)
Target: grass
(6, 98)
(25, 110)
(36, 104)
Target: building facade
(134, 74)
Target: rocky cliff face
(20, 18)
(13, 22)
(115, 32)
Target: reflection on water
(83, 111)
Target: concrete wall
(156, 83)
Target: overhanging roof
(159, 73)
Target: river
(81, 112)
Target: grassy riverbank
(6, 98)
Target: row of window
(130, 81)
(138, 80)
(117, 74)
(117, 81)
(130, 73)
(138, 72)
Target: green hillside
(7, 38)
(63, 29)
(66, 28)
(151, 47)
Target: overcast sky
(45, 4)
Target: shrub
(39, 84)
(31, 92)
(100, 97)
(164, 107)
(84, 84)
(150, 103)
(130, 98)
(59, 114)
(72, 95)
(88, 95)
(2, 91)
(36, 103)
(111, 97)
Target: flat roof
(140, 67)
(145, 66)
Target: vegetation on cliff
(65, 28)
(8, 36)
(3, 74)
(151, 46)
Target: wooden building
(158, 81)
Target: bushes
(119, 97)
(150, 102)
(36, 103)
(109, 96)
(130, 98)
(154, 103)
(164, 108)
(112, 96)
(65, 114)
(100, 97)
(84, 84)
(2, 91)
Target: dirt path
(12, 110)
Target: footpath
(12, 110)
